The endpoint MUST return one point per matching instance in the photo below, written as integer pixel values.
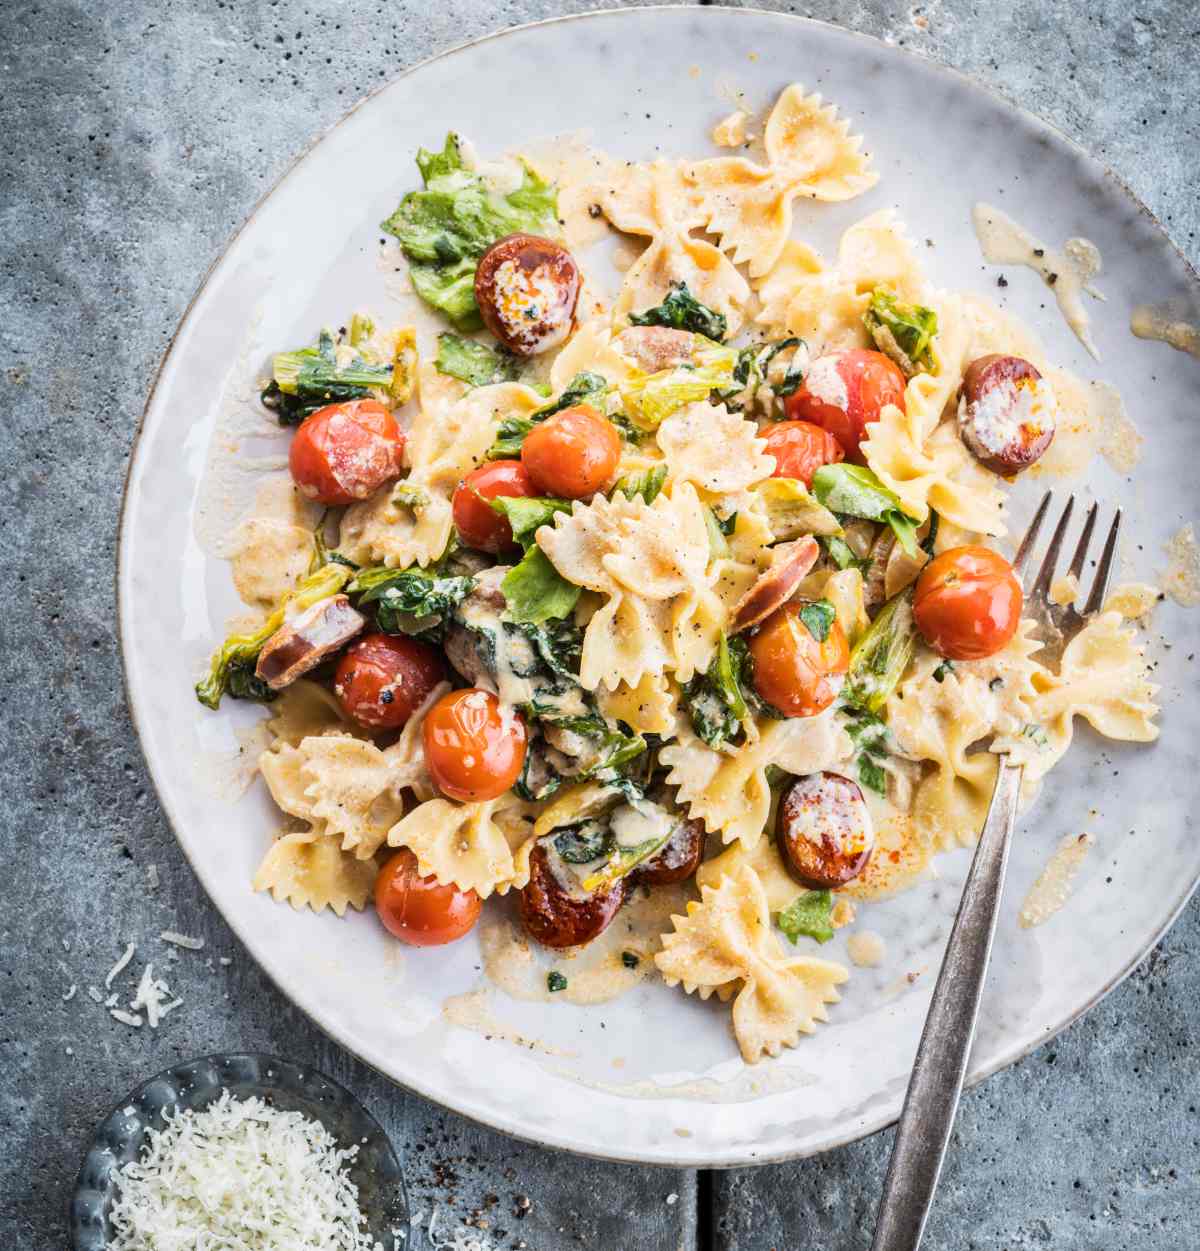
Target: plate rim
(498, 1121)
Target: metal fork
(935, 1086)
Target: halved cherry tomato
(384, 678)
(967, 603)
(845, 390)
(792, 670)
(420, 910)
(345, 452)
(473, 749)
(800, 449)
(573, 454)
(477, 522)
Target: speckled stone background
(136, 136)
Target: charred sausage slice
(655, 348)
(1006, 415)
(678, 859)
(775, 587)
(824, 830)
(527, 288)
(558, 915)
(301, 644)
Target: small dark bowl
(119, 1138)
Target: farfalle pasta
(629, 596)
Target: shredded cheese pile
(241, 1176)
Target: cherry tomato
(473, 749)
(420, 910)
(967, 603)
(800, 449)
(477, 522)
(573, 454)
(845, 390)
(792, 670)
(345, 452)
(384, 678)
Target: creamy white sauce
(866, 949)
(1053, 886)
(1150, 321)
(826, 383)
(1067, 273)
(1182, 578)
(1120, 440)
(473, 1011)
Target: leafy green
(682, 311)
(626, 429)
(536, 591)
(625, 858)
(526, 513)
(856, 492)
(871, 737)
(818, 615)
(555, 981)
(793, 374)
(244, 683)
(810, 914)
(647, 484)
(881, 656)
(239, 653)
(902, 331)
(309, 378)
(409, 496)
(589, 840)
(445, 228)
(929, 542)
(717, 545)
(399, 596)
(652, 398)
(630, 959)
(473, 363)
(557, 644)
(584, 388)
(940, 673)
(792, 511)
(715, 699)
(842, 554)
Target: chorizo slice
(678, 858)
(1006, 414)
(302, 643)
(527, 288)
(824, 830)
(558, 916)
(777, 585)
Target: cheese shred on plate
(239, 1174)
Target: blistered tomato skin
(573, 454)
(556, 917)
(824, 830)
(419, 910)
(477, 522)
(382, 679)
(527, 288)
(344, 453)
(1007, 413)
(800, 449)
(794, 672)
(844, 391)
(967, 603)
(473, 748)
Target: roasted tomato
(384, 678)
(420, 910)
(824, 830)
(477, 522)
(573, 454)
(1006, 414)
(474, 749)
(793, 671)
(556, 912)
(845, 390)
(527, 288)
(346, 452)
(677, 860)
(800, 449)
(967, 603)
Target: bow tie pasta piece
(730, 792)
(1103, 678)
(810, 153)
(778, 884)
(939, 721)
(727, 937)
(481, 847)
(306, 709)
(410, 522)
(590, 350)
(316, 874)
(648, 707)
(654, 201)
(715, 449)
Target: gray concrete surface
(136, 135)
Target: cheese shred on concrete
(239, 1174)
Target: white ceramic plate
(642, 83)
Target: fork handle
(941, 1062)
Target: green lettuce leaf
(792, 511)
(902, 331)
(309, 378)
(536, 591)
(652, 398)
(882, 655)
(401, 597)
(526, 513)
(445, 228)
(818, 616)
(648, 484)
(473, 363)
(584, 388)
(855, 491)
(682, 311)
(810, 914)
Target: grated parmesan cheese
(126, 956)
(126, 1018)
(182, 940)
(151, 995)
(240, 1174)
(70, 994)
(462, 1238)
(94, 994)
